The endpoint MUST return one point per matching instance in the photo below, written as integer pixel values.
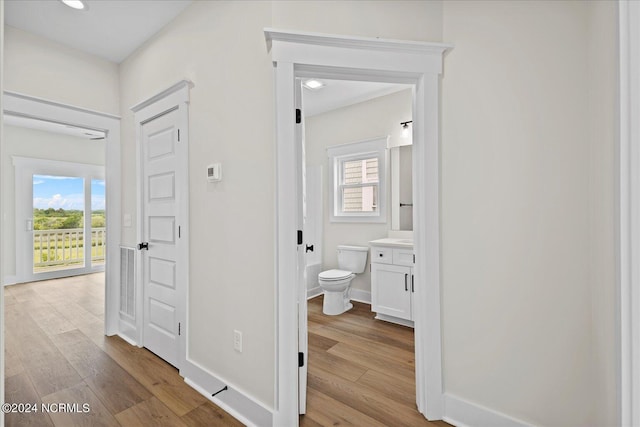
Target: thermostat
(214, 172)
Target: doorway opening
(371, 360)
(357, 58)
(60, 224)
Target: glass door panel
(58, 223)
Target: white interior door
(302, 263)
(161, 231)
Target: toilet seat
(334, 275)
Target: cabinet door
(391, 290)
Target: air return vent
(127, 281)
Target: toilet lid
(334, 274)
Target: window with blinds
(358, 185)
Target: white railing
(65, 247)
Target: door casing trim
(298, 55)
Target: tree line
(55, 219)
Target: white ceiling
(111, 29)
(341, 93)
(114, 29)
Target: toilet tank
(352, 258)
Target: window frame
(359, 150)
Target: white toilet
(337, 283)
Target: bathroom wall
(366, 120)
(25, 142)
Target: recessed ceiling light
(313, 84)
(75, 4)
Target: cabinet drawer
(403, 257)
(381, 255)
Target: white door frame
(37, 108)
(628, 326)
(175, 97)
(358, 58)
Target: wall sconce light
(405, 128)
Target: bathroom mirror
(401, 188)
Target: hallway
(56, 352)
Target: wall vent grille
(127, 281)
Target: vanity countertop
(393, 242)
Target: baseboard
(396, 320)
(236, 403)
(10, 280)
(462, 413)
(361, 296)
(127, 332)
(314, 292)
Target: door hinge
(179, 233)
(300, 359)
(179, 325)
(298, 116)
(414, 258)
(178, 135)
(299, 237)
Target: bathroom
(358, 135)
(337, 115)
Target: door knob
(309, 248)
(143, 245)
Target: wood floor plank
(151, 413)
(394, 387)
(94, 414)
(328, 411)
(18, 389)
(319, 342)
(365, 400)
(372, 360)
(12, 363)
(209, 414)
(116, 388)
(83, 354)
(336, 365)
(155, 374)
(381, 348)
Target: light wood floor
(361, 371)
(56, 352)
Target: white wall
(39, 67)
(402, 20)
(603, 80)
(220, 46)
(374, 118)
(527, 183)
(24, 142)
(522, 225)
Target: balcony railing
(64, 248)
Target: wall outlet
(237, 341)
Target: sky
(65, 192)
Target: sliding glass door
(60, 218)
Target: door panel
(161, 289)
(302, 262)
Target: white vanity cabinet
(392, 284)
